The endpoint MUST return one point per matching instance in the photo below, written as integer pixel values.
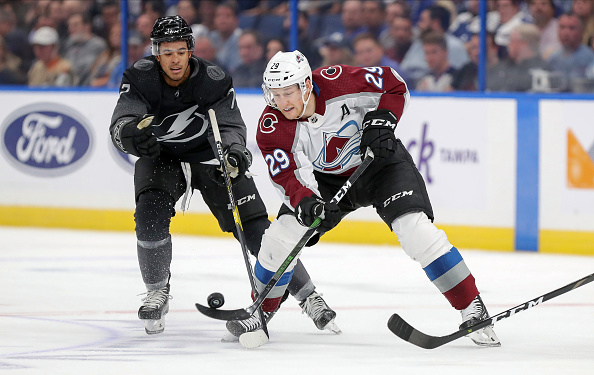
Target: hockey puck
(215, 300)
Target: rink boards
(503, 172)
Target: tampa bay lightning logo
(178, 126)
(339, 148)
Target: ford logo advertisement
(46, 139)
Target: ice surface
(70, 298)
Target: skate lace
(252, 323)
(155, 298)
(474, 310)
(314, 306)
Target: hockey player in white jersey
(312, 135)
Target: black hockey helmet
(171, 29)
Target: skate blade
(153, 327)
(229, 337)
(485, 337)
(255, 339)
(333, 327)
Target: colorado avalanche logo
(332, 72)
(267, 123)
(339, 148)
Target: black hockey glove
(238, 159)
(137, 138)
(378, 133)
(310, 208)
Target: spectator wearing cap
(369, 52)
(82, 47)
(50, 69)
(335, 51)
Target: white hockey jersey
(328, 141)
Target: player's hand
(138, 138)
(238, 159)
(310, 208)
(378, 133)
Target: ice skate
(251, 324)
(323, 316)
(153, 310)
(474, 313)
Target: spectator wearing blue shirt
(574, 57)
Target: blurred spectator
(135, 53)
(273, 46)
(434, 19)
(574, 57)
(108, 60)
(186, 10)
(468, 22)
(144, 27)
(401, 32)
(251, 52)
(15, 38)
(543, 16)
(306, 44)
(50, 69)
(335, 51)
(509, 17)
(584, 9)
(441, 74)
(466, 78)
(374, 17)
(109, 16)
(206, 13)
(154, 8)
(82, 47)
(515, 73)
(204, 49)
(226, 36)
(352, 19)
(369, 52)
(397, 8)
(10, 73)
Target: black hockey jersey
(181, 121)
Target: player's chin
(290, 114)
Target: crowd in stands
(531, 45)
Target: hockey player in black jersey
(161, 117)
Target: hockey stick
(236, 218)
(408, 333)
(241, 314)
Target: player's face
(289, 101)
(175, 61)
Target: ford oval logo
(46, 139)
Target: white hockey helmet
(286, 69)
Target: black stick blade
(239, 314)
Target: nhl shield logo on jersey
(331, 72)
(339, 148)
